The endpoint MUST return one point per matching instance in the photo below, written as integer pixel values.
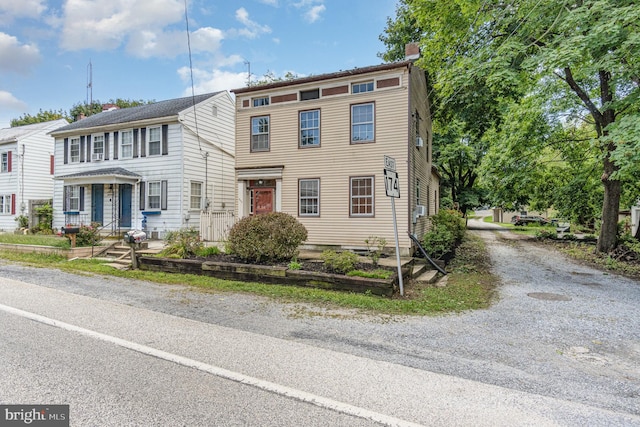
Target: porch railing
(215, 226)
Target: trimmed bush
(447, 230)
(342, 262)
(273, 236)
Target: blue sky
(138, 49)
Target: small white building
(155, 167)
(26, 171)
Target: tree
(42, 116)
(97, 106)
(583, 55)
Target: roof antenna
(89, 100)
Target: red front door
(262, 200)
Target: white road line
(282, 390)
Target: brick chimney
(411, 51)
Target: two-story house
(26, 171)
(154, 167)
(314, 147)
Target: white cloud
(11, 9)
(23, 56)
(251, 28)
(212, 81)
(107, 25)
(8, 102)
(313, 14)
(270, 2)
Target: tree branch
(584, 97)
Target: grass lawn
(469, 284)
(35, 239)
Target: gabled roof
(15, 133)
(168, 108)
(319, 77)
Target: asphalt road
(561, 346)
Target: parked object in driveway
(529, 219)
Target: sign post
(392, 188)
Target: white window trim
(191, 195)
(300, 144)
(71, 143)
(150, 141)
(4, 162)
(268, 133)
(373, 123)
(151, 184)
(123, 144)
(300, 198)
(5, 204)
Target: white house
(26, 171)
(154, 167)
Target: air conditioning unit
(421, 210)
(96, 157)
(419, 142)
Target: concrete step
(427, 277)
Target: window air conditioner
(96, 156)
(421, 210)
(419, 142)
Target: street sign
(392, 183)
(390, 163)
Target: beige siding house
(314, 147)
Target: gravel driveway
(557, 328)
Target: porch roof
(102, 176)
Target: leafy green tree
(40, 117)
(97, 106)
(581, 55)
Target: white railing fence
(215, 226)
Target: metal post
(395, 230)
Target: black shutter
(165, 140)
(65, 198)
(143, 142)
(115, 145)
(135, 143)
(106, 145)
(163, 195)
(81, 199)
(65, 156)
(82, 148)
(142, 196)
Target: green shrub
(447, 230)
(22, 220)
(45, 219)
(207, 251)
(375, 248)
(273, 236)
(294, 265)
(184, 243)
(340, 262)
(545, 234)
(88, 235)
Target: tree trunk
(608, 239)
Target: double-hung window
(4, 162)
(362, 123)
(196, 195)
(72, 198)
(361, 196)
(309, 197)
(310, 128)
(74, 150)
(126, 144)
(5, 204)
(154, 195)
(260, 133)
(155, 141)
(98, 147)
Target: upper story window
(362, 87)
(98, 147)
(362, 123)
(310, 128)
(309, 197)
(260, 133)
(126, 144)
(155, 141)
(306, 95)
(74, 150)
(5, 163)
(260, 102)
